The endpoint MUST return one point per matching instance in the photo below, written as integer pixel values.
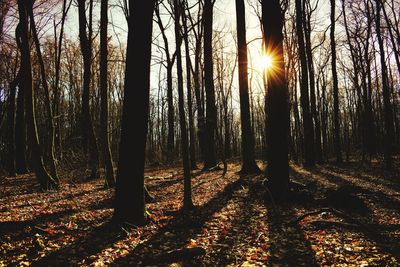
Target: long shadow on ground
(386, 240)
(180, 229)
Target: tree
(187, 200)
(129, 194)
(308, 126)
(248, 160)
(388, 112)
(277, 100)
(11, 127)
(170, 97)
(43, 76)
(336, 110)
(192, 142)
(87, 123)
(26, 86)
(106, 153)
(210, 159)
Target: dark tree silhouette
(26, 85)
(277, 100)
(210, 159)
(248, 161)
(43, 76)
(187, 199)
(336, 110)
(106, 153)
(388, 111)
(129, 194)
(170, 60)
(87, 123)
(308, 126)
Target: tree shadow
(386, 240)
(177, 233)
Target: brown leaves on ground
(231, 221)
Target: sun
(264, 63)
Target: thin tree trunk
(26, 83)
(108, 162)
(248, 159)
(388, 112)
(336, 109)
(52, 159)
(87, 123)
(20, 120)
(210, 159)
(308, 127)
(192, 144)
(11, 127)
(187, 195)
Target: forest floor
(233, 221)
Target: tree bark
(129, 194)
(192, 141)
(277, 101)
(26, 84)
(187, 191)
(336, 108)
(50, 123)
(210, 159)
(387, 106)
(108, 162)
(89, 137)
(308, 127)
(248, 160)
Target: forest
(200, 133)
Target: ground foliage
(234, 221)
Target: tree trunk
(52, 159)
(311, 76)
(108, 162)
(277, 101)
(336, 109)
(192, 144)
(129, 194)
(20, 120)
(308, 127)
(187, 191)
(170, 97)
(26, 84)
(89, 137)
(388, 112)
(11, 127)
(210, 159)
(248, 160)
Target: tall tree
(26, 84)
(336, 109)
(87, 123)
(20, 119)
(248, 160)
(11, 127)
(192, 141)
(170, 60)
(210, 159)
(388, 111)
(187, 199)
(277, 100)
(105, 143)
(308, 127)
(129, 194)
(43, 76)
